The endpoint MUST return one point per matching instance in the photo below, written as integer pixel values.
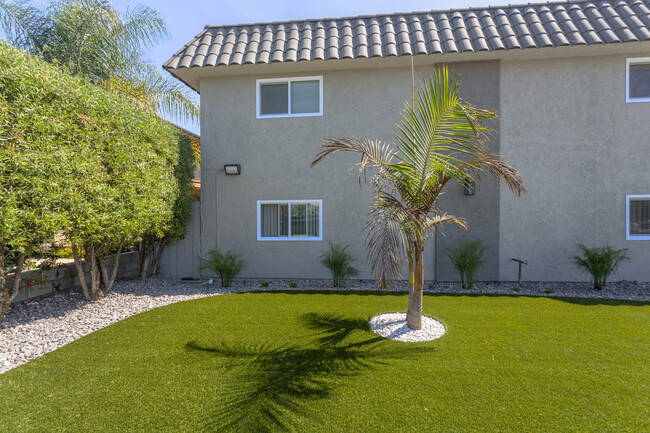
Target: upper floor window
(638, 80)
(638, 217)
(290, 97)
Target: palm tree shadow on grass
(272, 389)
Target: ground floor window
(294, 220)
(638, 216)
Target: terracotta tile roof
(434, 32)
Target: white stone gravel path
(42, 325)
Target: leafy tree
(441, 138)
(600, 262)
(90, 38)
(78, 160)
(153, 243)
(33, 168)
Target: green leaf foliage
(78, 160)
(467, 258)
(339, 262)
(599, 262)
(91, 38)
(227, 266)
(176, 228)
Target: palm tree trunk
(414, 312)
(411, 269)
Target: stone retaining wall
(65, 277)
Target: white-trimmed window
(638, 217)
(290, 97)
(637, 84)
(289, 220)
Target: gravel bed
(41, 325)
(393, 326)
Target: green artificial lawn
(308, 362)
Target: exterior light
(232, 169)
(469, 186)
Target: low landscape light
(232, 169)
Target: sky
(186, 18)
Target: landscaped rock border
(393, 326)
(40, 325)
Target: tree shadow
(273, 389)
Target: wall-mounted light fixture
(232, 169)
(469, 186)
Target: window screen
(274, 98)
(639, 217)
(304, 220)
(275, 220)
(305, 96)
(639, 80)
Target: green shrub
(516, 289)
(293, 285)
(339, 262)
(599, 262)
(227, 266)
(79, 161)
(549, 291)
(467, 259)
(264, 284)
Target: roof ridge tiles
(491, 28)
(420, 12)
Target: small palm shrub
(227, 266)
(339, 262)
(467, 259)
(599, 262)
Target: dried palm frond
(386, 242)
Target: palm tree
(90, 38)
(441, 138)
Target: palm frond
(17, 18)
(436, 220)
(498, 169)
(142, 26)
(374, 154)
(438, 129)
(386, 241)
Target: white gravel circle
(393, 326)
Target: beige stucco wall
(275, 155)
(566, 126)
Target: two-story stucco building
(570, 81)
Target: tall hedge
(154, 243)
(77, 160)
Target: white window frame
(258, 97)
(289, 238)
(633, 61)
(627, 218)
